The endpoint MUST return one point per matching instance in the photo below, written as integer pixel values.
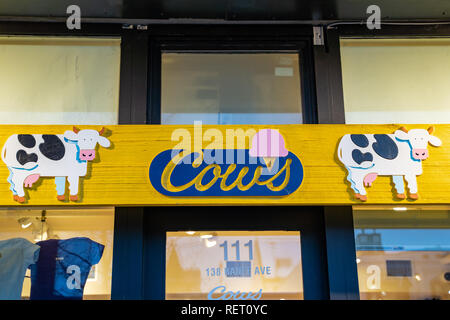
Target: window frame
(44, 30)
(129, 103)
(221, 44)
(387, 31)
(156, 221)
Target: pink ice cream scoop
(269, 144)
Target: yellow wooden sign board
(119, 174)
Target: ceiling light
(190, 232)
(399, 208)
(358, 260)
(206, 236)
(26, 225)
(210, 244)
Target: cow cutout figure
(63, 156)
(400, 155)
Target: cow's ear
(401, 135)
(105, 143)
(69, 134)
(434, 141)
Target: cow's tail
(339, 152)
(4, 153)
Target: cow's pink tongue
(87, 155)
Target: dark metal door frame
(308, 220)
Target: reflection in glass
(239, 264)
(230, 88)
(97, 224)
(403, 255)
(59, 80)
(396, 80)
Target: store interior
(38, 224)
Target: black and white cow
(31, 156)
(398, 155)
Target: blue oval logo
(185, 174)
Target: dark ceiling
(231, 10)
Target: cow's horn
(76, 130)
(430, 130)
(101, 131)
(403, 129)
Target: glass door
(235, 253)
(233, 265)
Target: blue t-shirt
(16, 255)
(63, 268)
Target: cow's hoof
(19, 199)
(414, 196)
(74, 198)
(361, 197)
(61, 198)
(401, 196)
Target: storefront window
(403, 253)
(60, 254)
(225, 88)
(233, 265)
(396, 80)
(59, 80)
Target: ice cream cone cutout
(268, 144)
(269, 161)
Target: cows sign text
(266, 169)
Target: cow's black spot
(52, 147)
(385, 147)
(23, 157)
(27, 140)
(360, 157)
(360, 140)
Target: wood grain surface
(119, 174)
